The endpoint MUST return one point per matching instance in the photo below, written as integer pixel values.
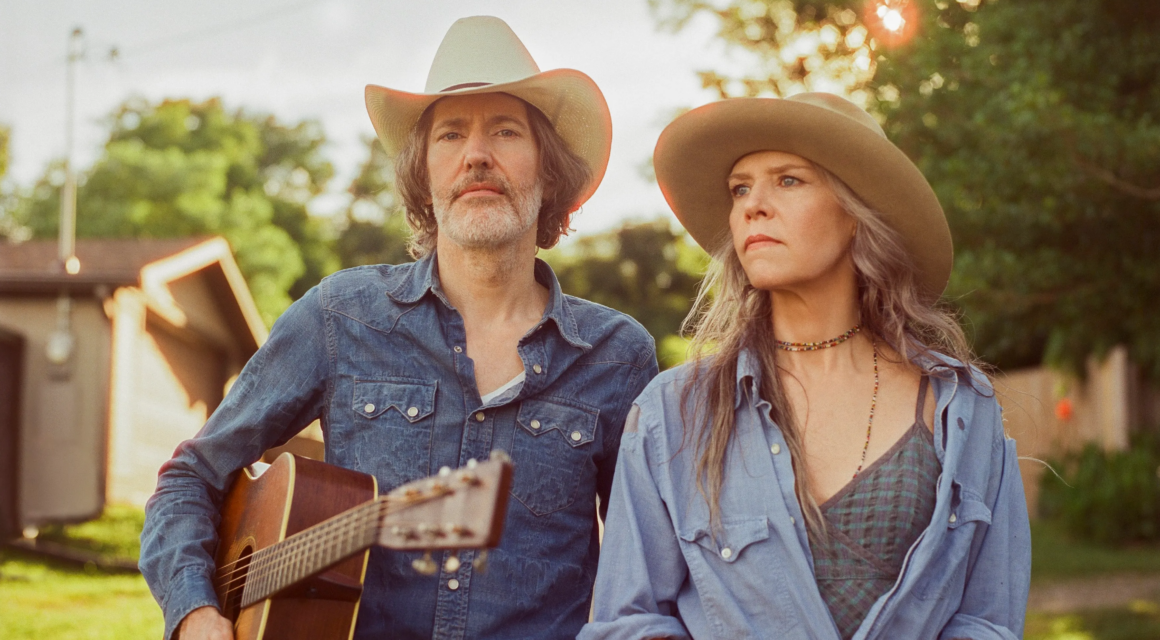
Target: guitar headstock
(455, 509)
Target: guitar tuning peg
(425, 565)
(452, 564)
(480, 562)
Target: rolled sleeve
(641, 566)
(994, 602)
(278, 393)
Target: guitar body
(292, 495)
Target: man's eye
(739, 190)
(450, 135)
(506, 133)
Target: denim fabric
(359, 351)
(665, 572)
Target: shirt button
(458, 349)
(537, 368)
(792, 520)
(369, 408)
(453, 584)
(776, 448)
(413, 411)
(576, 436)
(726, 553)
(954, 518)
(535, 424)
(479, 416)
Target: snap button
(726, 553)
(453, 584)
(537, 368)
(535, 424)
(370, 408)
(776, 448)
(479, 416)
(792, 520)
(413, 411)
(458, 349)
(576, 436)
(954, 518)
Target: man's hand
(205, 623)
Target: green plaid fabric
(872, 522)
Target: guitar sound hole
(233, 586)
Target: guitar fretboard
(312, 551)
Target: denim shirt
(362, 351)
(665, 572)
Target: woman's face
(788, 229)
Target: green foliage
(646, 270)
(1057, 556)
(374, 229)
(179, 168)
(1109, 497)
(1035, 122)
(5, 134)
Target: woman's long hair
(730, 316)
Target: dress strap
(922, 384)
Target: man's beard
(491, 224)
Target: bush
(1111, 497)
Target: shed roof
(34, 266)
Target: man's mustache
(476, 179)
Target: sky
(310, 59)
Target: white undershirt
(518, 380)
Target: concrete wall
(1104, 408)
(63, 419)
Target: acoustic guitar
(294, 541)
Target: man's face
(484, 167)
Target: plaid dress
(872, 522)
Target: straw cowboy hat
(482, 54)
(697, 151)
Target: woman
(828, 464)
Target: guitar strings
(261, 561)
(366, 515)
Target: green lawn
(1138, 621)
(1055, 556)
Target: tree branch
(1123, 186)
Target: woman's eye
(739, 190)
(789, 181)
(506, 133)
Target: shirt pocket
(732, 538)
(390, 434)
(946, 576)
(552, 450)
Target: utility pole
(62, 343)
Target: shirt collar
(423, 276)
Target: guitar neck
(312, 551)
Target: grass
(1057, 556)
(1140, 620)
(45, 600)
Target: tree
(179, 168)
(374, 229)
(643, 269)
(1035, 122)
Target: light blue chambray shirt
(665, 573)
(378, 353)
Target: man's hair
(563, 176)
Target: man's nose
(477, 153)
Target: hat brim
(570, 99)
(697, 151)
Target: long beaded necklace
(833, 342)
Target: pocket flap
(413, 399)
(575, 422)
(732, 537)
(966, 508)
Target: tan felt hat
(697, 151)
(482, 54)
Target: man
(469, 349)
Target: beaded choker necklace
(814, 346)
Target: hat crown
(478, 51)
(840, 105)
